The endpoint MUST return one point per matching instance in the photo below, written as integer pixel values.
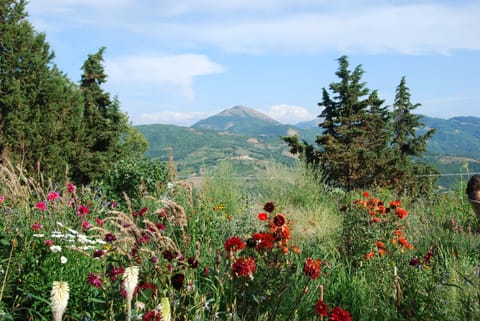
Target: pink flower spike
(2, 198)
(41, 206)
(52, 196)
(82, 210)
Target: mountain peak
(237, 119)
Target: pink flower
(71, 188)
(36, 226)
(41, 206)
(2, 198)
(86, 225)
(99, 222)
(95, 280)
(48, 243)
(82, 210)
(52, 196)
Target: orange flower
(295, 249)
(382, 252)
(398, 232)
(380, 245)
(312, 268)
(395, 204)
(369, 255)
(375, 220)
(401, 213)
(403, 241)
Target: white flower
(164, 308)
(59, 299)
(130, 279)
(55, 248)
(63, 259)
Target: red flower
(279, 220)
(264, 240)
(395, 204)
(71, 188)
(152, 316)
(177, 281)
(366, 195)
(95, 280)
(401, 213)
(321, 308)
(369, 255)
(41, 206)
(263, 216)
(82, 210)
(52, 196)
(86, 225)
(312, 268)
(339, 314)
(36, 226)
(243, 266)
(269, 207)
(234, 244)
(48, 243)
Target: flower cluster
(336, 314)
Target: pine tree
(354, 129)
(407, 145)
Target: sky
(179, 61)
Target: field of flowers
(283, 249)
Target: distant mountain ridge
(252, 138)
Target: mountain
(238, 119)
(250, 140)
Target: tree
(406, 144)
(40, 107)
(105, 128)
(361, 146)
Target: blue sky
(178, 61)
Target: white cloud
(169, 117)
(289, 114)
(150, 74)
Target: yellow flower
(165, 309)
(59, 298)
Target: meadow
(285, 247)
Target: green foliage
(362, 143)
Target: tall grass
(187, 271)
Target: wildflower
(369, 255)
(193, 262)
(279, 220)
(380, 245)
(264, 240)
(86, 225)
(130, 281)
(115, 272)
(41, 206)
(321, 308)
(295, 249)
(312, 268)
(401, 213)
(339, 314)
(165, 309)
(394, 204)
(109, 237)
(56, 248)
(414, 261)
(244, 266)
(366, 195)
(52, 196)
(99, 221)
(63, 259)
(98, 253)
(234, 244)
(177, 281)
(269, 207)
(375, 220)
(59, 299)
(2, 198)
(262, 216)
(403, 241)
(152, 316)
(36, 226)
(82, 210)
(95, 280)
(48, 243)
(71, 188)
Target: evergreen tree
(407, 145)
(40, 107)
(104, 125)
(355, 132)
